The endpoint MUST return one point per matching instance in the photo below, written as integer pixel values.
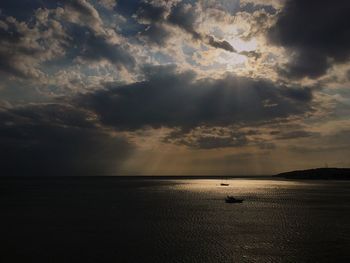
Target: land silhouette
(318, 174)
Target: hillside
(318, 173)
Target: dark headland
(318, 174)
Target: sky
(176, 87)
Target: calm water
(115, 220)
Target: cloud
(185, 16)
(211, 142)
(24, 47)
(74, 33)
(109, 4)
(57, 139)
(27, 7)
(276, 4)
(83, 13)
(92, 47)
(181, 15)
(149, 12)
(326, 144)
(220, 44)
(89, 38)
(207, 138)
(156, 34)
(170, 99)
(348, 75)
(251, 54)
(230, 7)
(316, 33)
(296, 134)
(253, 7)
(257, 22)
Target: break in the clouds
(185, 16)
(152, 86)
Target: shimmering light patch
(237, 59)
(236, 186)
(241, 45)
(234, 61)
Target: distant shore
(318, 174)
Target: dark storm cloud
(56, 114)
(171, 99)
(297, 93)
(316, 32)
(57, 140)
(182, 15)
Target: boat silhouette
(231, 199)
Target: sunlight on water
(240, 185)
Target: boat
(224, 182)
(231, 199)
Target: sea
(119, 219)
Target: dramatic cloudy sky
(173, 86)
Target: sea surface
(110, 219)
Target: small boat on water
(231, 199)
(223, 184)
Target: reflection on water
(279, 221)
(113, 220)
(236, 184)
